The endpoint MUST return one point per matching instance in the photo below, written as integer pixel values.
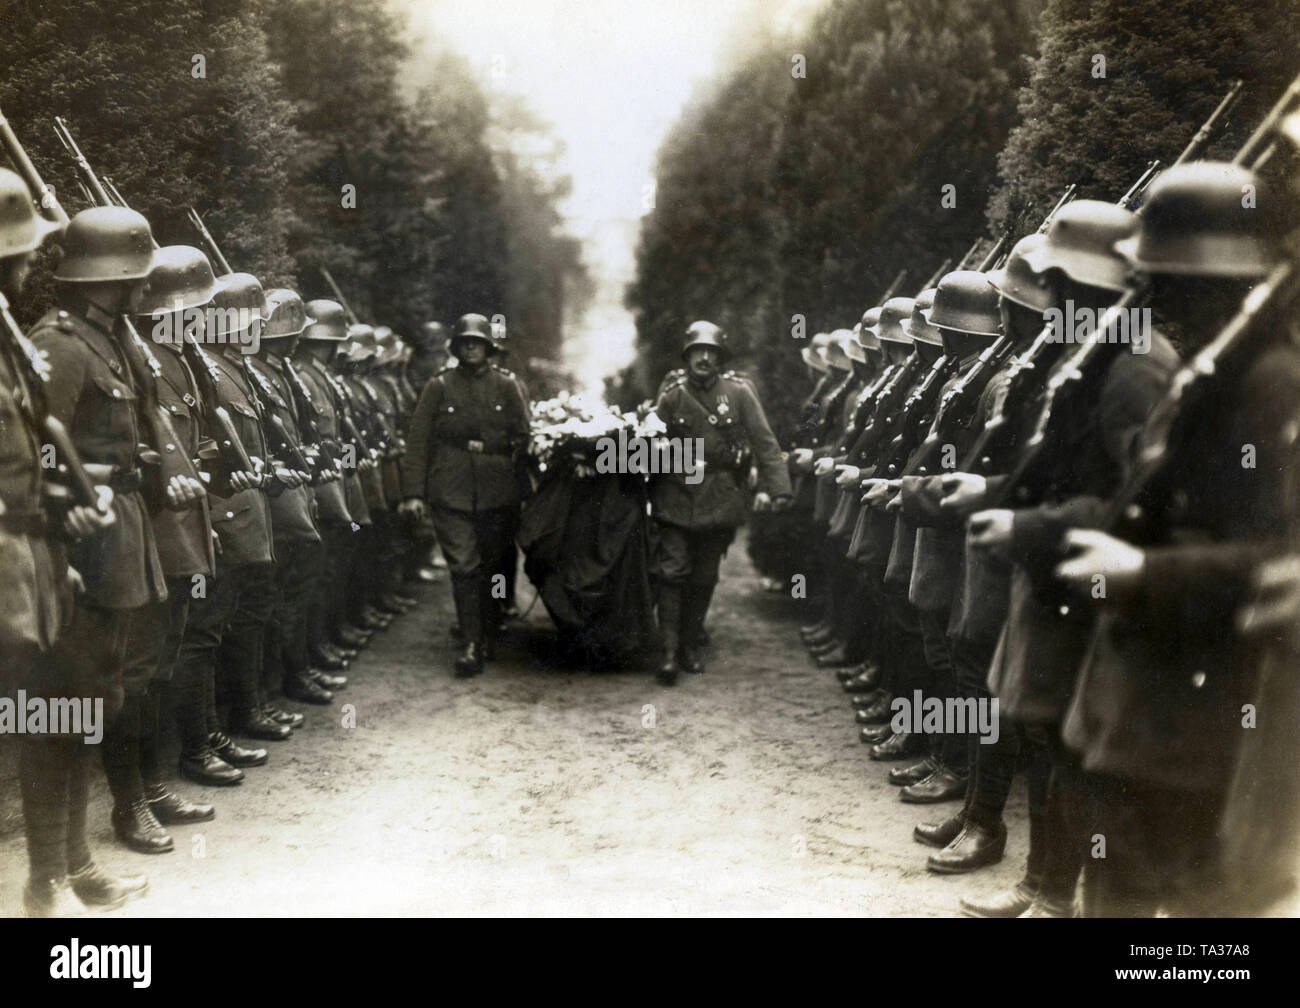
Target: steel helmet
(704, 333)
(915, 324)
(181, 278)
(388, 346)
(1022, 282)
(866, 334)
(238, 304)
(965, 303)
(360, 346)
(329, 321)
(474, 326)
(893, 313)
(836, 350)
(22, 228)
(812, 353)
(288, 316)
(1194, 223)
(104, 244)
(433, 336)
(1081, 243)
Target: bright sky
(612, 77)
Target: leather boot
(327, 659)
(51, 898)
(879, 712)
(209, 769)
(974, 847)
(875, 734)
(837, 658)
(350, 636)
(941, 786)
(1043, 907)
(326, 680)
(236, 755)
(292, 719)
(670, 621)
(904, 775)
(940, 834)
(304, 690)
(827, 646)
(137, 827)
(813, 631)
(1011, 902)
(865, 670)
(470, 661)
(899, 746)
(171, 809)
(256, 725)
(863, 683)
(95, 887)
(689, 657)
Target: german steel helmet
(915, 324)
(104, 244)
(965, 303)
(288, 315)
(474, 326)
(866, 334)
(239, 303)
(1194, 223)
(329, 321)
(360, 345)
(388, 347)
(1081, 243)
(433, 335)
(893, 313)
(1023, 283)
(836, 350)
(812, 353)
(181, 278)
(22, 228)
(704, 333)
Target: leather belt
(125, 481)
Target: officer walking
(697, 521)
(462, 459)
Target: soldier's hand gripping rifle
(180, 485)
(367, 457)
(912, 417)
(327, 462)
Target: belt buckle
(475, 446)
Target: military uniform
(463, 458)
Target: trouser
(295, 575)
(325, 608)
(131, 740)
(904, 664)
(688, 565)
(86, 662)
(948, 747)
(206, 631)
(473, 543)
(241, 655)
(1159, 845)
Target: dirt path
(538, 791)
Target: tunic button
(117, 393)
(230, 514)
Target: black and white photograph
(650, 458)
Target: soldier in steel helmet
(108, 253)
(1155, 710)
(698, 520)
(466, 436)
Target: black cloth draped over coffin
(587, 550)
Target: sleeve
(415, 461)
(920, 503)
(773, 477)
(67, 373)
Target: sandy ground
(536, 790)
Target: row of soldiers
(1087, 531)
(197, 524)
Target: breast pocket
(110, 421)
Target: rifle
(307, 423)
(894, 287)
(892, 394)
(1070, 192)
(173, 463)
(364, 452)
(338, 294)
(1140, 186)
(1202, 137)
(938, 274)
(23, 356)
(911, 419)
(205, 236)
(42, 195)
